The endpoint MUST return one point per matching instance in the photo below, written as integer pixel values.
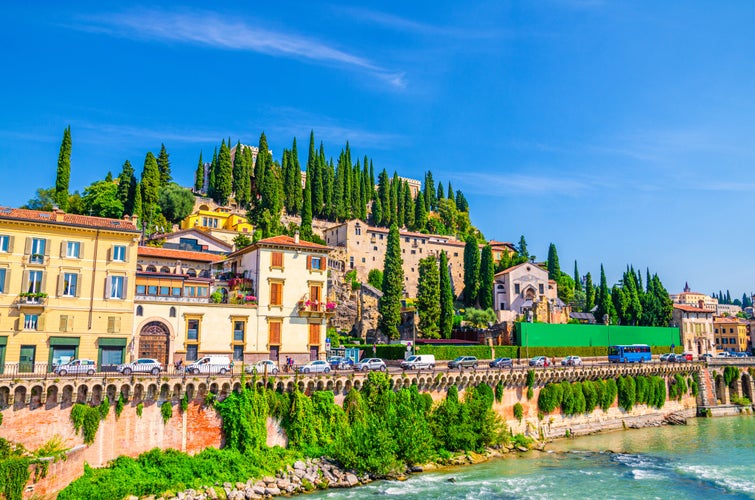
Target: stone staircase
(706, 395)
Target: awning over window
(67, 341)
(109, 342)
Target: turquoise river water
(708, 459)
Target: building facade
(65, 288)
(695, 328)
(695, 299)
(524, 292)
(192, 240)
(728, 310)
(362, 247)
(730, 334)
(224, 223)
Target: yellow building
(730, 334)
(64, 288)
(221, 222)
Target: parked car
(741, 354)
(688, 356)
(369, 364)
(141, 365)
(463, 362)
(419, 362)
(705, 357)
(318, 366)
(723, 354)
(210, 364)
(340, 362)
(261, 367)
(540, 361)
(681, 358)
(667, 357)
(572, 361)
(76, 366)
(502, 363)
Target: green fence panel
(545, 335)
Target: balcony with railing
(32, 300)
(315, 309)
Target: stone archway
(154, 340)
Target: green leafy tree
(487, 276)
(163, 164)
(603, 301)
(375, 278)
(428, 297)
(176, 203)
(461, 202)
(241, 240)
(63, 176)
(522, 248)
(471, 271)
(138, 208)
(241, 181)
(451, 192)
(420, 213)
(565, 288)
(446, 319)
(429, 192)
(389, 305)
(124, 186)
(479, 318)
(101, 200)
(44, 200)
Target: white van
(213, 363)
(419, 362)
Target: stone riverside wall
(36, 410)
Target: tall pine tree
(389, 305)
(223, 175)
(487, 276)
(446, 320)
(150, 187)
(428, 297)
(554, 269)
(63, 176)
(124, 185)
(163, 164)
(199, 175)
(471, 270)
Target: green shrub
(590, 394)
(743, 401)
(549, 398)
(627, 392)
(677, 387)
(522, 441)
(506, 351)
(120, 404)
(499, 391)
(609, 394)
(518, 411)
(446, 352)
(86, 419)
(166, 410)
(731, 374)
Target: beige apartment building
(362, 247)
(695, 328)
(730, 334)
(65, 288)
(695, 299)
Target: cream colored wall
(93, 269)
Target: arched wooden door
(153, 342)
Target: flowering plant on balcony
(311, 304)
(330, 306)
(240, 298)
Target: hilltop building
(695, 299)
(65, 288)
(223, 223)
(362, 247)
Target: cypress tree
(589, 294)
(199, 175)
(487, 276)
(150, 186)
(577, 278)
(315, 174)
(461, 202)
(137, 210)
(261, 165)
(223, 175)
(408, 207)
(446, 320)
(428, 297)
(368, 190)
(440, 194)
(63, 176)
(522, 248)
(296, 192)
(471, 270)
(124, 184)
(239, 182)
(429, 192)
(451, 193)
(306, 211)
(356, 192)
(384, 193)
(377, 212)
(163, 164)
(134, 192)
(554, 269)
(604, 302)
(212, 177)
(400, 207)
(393, 200)
(329, 186)
(420, 214)
(389, 305)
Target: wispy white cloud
(402, 24)
(211, 30)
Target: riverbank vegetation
(377, 431)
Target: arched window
(138, 267)
(139, 311)
(192, 273)
(151, 269)
(165, 269)
(172, 312)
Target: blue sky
(620, 131)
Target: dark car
(502, 363)
(463, 362)
(340, 362)
(669, 356)
(705, 357)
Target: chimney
(296, 238)
(701, 303)
(58, 214)
(135, 220)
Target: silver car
(76, 366)
(141, 365)
(261, 367)
(369, 364)
(318, 366)
(571, 361)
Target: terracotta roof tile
(289, 241)
(67, 219)
(686, 308)
(169, 253)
